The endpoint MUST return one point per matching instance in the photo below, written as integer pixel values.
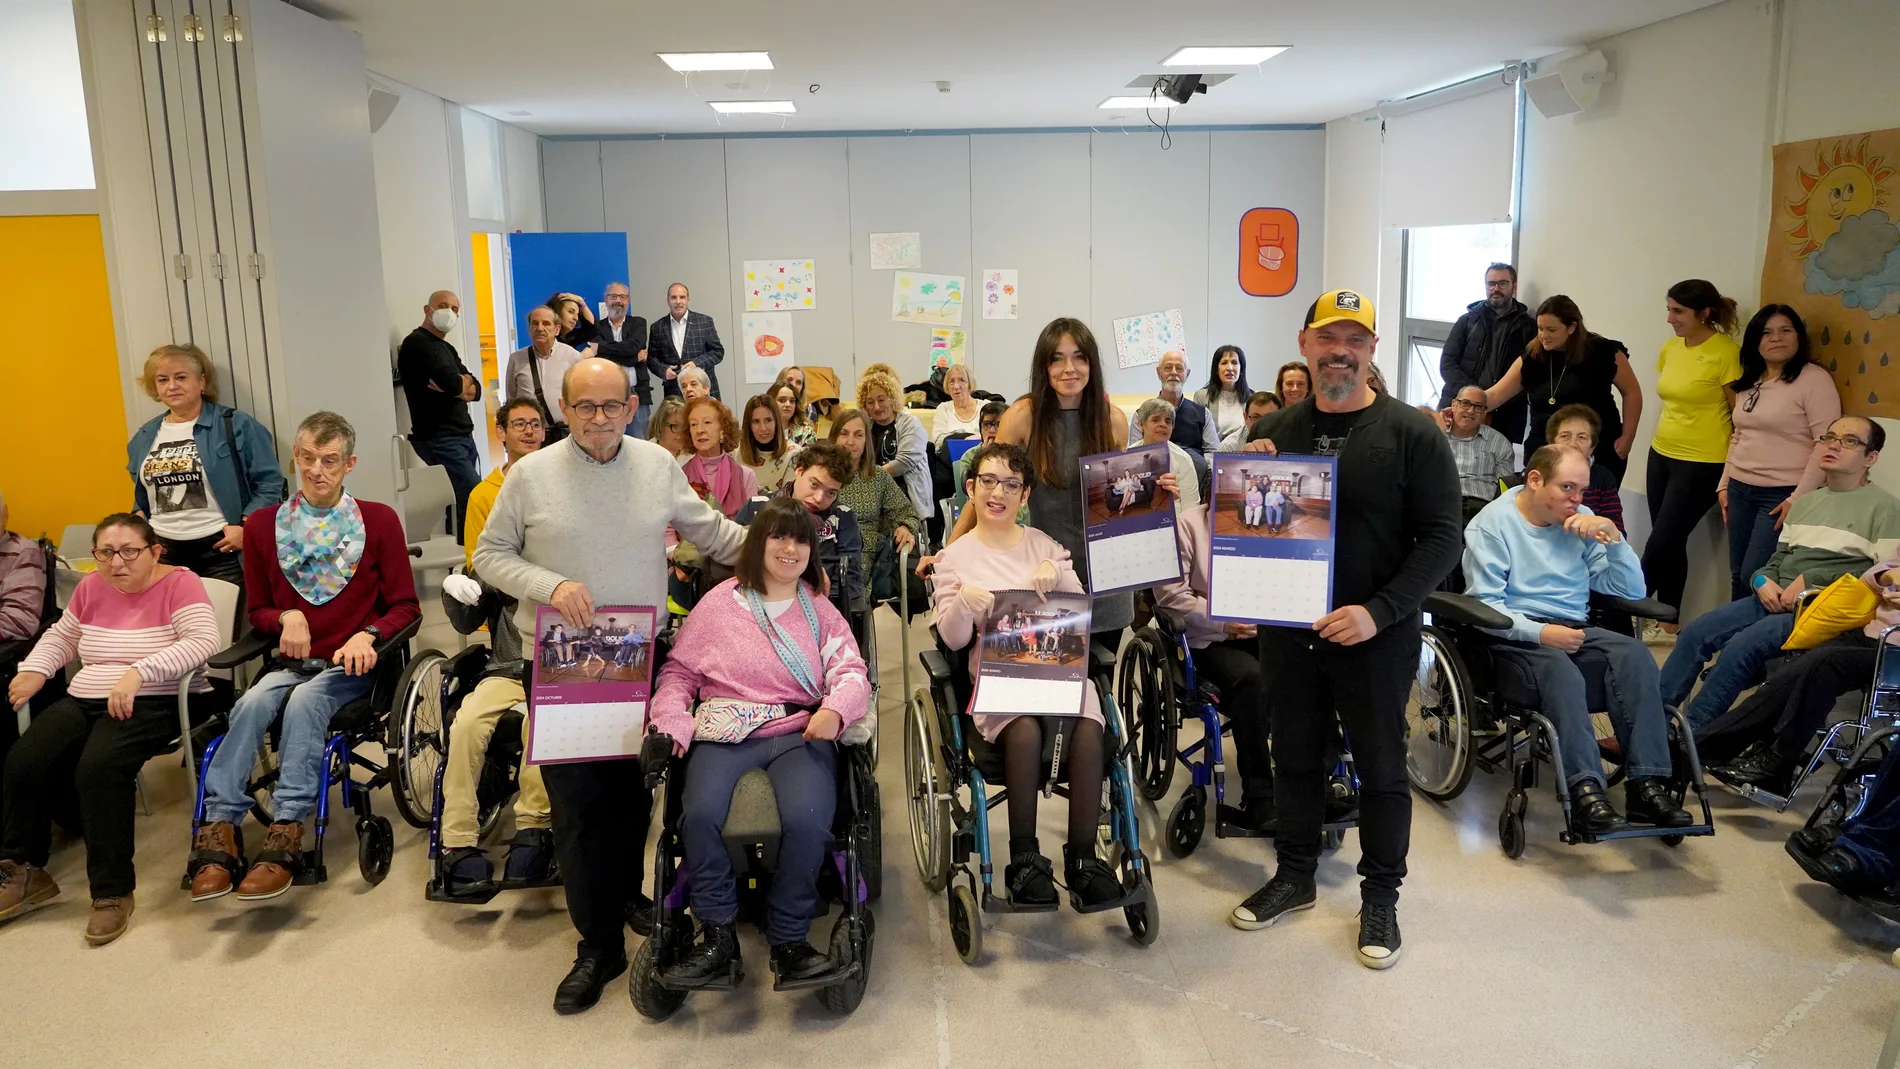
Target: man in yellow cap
(1397, 536)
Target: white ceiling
(587, 66)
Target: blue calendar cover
(1128, 520)
(1273, 526)
(589, 686)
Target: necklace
(1557, 382)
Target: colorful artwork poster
(933, 299)
(897, 251)
(768, 345)
(1269, 252)
(999, 293)
(947, 347)
(1834, 256)
(780, 285)
(1142, 339)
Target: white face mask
(443, 319)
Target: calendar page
(588, 697)
(1035, 655)
(1129, 520)
(1272, 524)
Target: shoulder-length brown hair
(801, 411)
(1565, 311)
(867, 461)
(781, 517)
(748, 449)
(1099, 434)
(728, 427)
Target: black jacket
(1399, 515)
(703, 349)
(1479, 352)
(626, 351)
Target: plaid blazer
(702, 348)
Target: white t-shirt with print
(182, 504)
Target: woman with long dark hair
(1568, 365)
(1226, 393)
(762, 445)
(1783, 402)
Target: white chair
(226, 599)
(424, 504)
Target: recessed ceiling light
(1222, 55)
(1113, 103)
(753, 107)
(716, 61)
(521, 113)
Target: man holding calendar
(578, 524)
(1397, 538)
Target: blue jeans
(1751, 531)
(1630, 686)
(456, 453)
(643, 415)
(307, 704)
(1747, 636)
(805, 781)
(1874, 836)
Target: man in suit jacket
(623, 339)
(681, 339)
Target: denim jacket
(256, 454)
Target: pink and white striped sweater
(164, 631)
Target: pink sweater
(165, 631)
(720, 652)
(1773, 445)
(1185, 599)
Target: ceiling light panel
(1117, 103)
(685, 62)
(753, 107)
(1222, 55)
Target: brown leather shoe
(24, 888)
(215, 853)
(109, 919)
(277, 863)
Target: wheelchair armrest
(938, 666)
(1644, 608)
(1466, 610)
(1101, 657)
(253, 645)
(655, 752)
(400, 639)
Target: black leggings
(1680, 493)
(1024, 769)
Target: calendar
(1272, 522)
(587, 699)
(1128, 523)
(1035, 655)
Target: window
(481, 163)
(42, 99)
(1443, 273)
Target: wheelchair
(1471, 709)
(1844, 798)
(1155, 682)
(752, 837)
(365, 720)
(944, 756)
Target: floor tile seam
(1796, 1013)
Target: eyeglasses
(1469, 406)
(526, 425)
(1754, 395)
(127, 554)
(610, 409)
(1008, 486)
(1848, 440)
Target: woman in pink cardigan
(1001, 554)
(777, 677)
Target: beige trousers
(468, 750)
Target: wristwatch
(373, 632)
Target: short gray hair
(696, 373)
(325, 427)
(1151, 408)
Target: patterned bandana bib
(319, 549)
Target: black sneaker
(1280, 896)
(530, 856)
(1378, 936)
(1030, 879)
(1090, 881)
(1647, 801)
(798, 961)
(712, 959)
(466, 871)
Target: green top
(1831, 533)
(882, 507)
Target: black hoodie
(1478, 352)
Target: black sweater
(1399, 521)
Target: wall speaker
(1571, 86)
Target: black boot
(1837, 867)
(711, 959)
(1771, 770)
(1647, 801)
(1590, 808)
(798, 960)
(1090, 880)
(1029, 877)
(1813, 841)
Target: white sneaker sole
(1250, 924)
(1373, 962)
(265, 898)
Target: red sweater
(382, 592)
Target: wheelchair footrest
(1129, 899)
(831, 977)
(1637, 831)
(479, 895)
(726, 981)
(1778, 803)
(995, 903)
(528, 885)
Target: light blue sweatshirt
(1524, 571)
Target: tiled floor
(1715, 954)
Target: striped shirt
(1483, 459)
(164, 631)
(1831, 533)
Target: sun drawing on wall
(1834, 254)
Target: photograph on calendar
(616, 648)
(1272, 541)
(588, 696)
(1129, 525)
(1035, 654)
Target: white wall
(1358, 254)
(521, 177)
(1100, 227)
(420, 240)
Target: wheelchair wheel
(375, 846)
(1144, 689)
(966, 925)
(1330, 841)
(927, 782)
(1438, 721)
(1186, 821)
(1144, 917)
(263, 782)
(423, 737)
(654, 1002)
(1511, 826)
(849, 941)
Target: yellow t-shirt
(1694, 424)
(481, 502)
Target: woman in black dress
(1565, 365)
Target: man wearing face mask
(623, 339)
(439, 388)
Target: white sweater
(561, 515)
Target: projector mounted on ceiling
(1180, 87)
